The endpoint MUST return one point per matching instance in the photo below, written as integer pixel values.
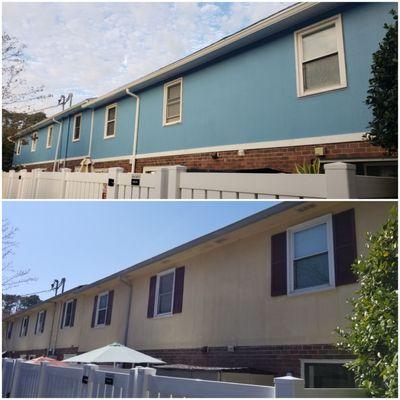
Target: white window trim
(48, 145)
(159, 275)
(166, 86)
(106, 120)
(325, 219)
(80, 128)
(65, 314)
(18, 149)
(304, 361)
(96, 325)
(34, 141)
(298, 46)
(38, 330)
(23, 332)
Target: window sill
(311, 290)
(99, 326)
(166, 315)
(76, 140)
(172, 123)
(109, 137)
(322, 91)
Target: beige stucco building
(265, 293)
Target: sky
(91, 48)
(87, 240)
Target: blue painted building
(285, 90)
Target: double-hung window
(68, 316)
(34, 141)
(110, 121)
(320, 59)
(172, 113)
(49, 140)
(18, 149)
(77, 128)
(40, 322)
(101, 312)
(165, 292)
(24, 326)
(310, 256)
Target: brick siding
(276, 360)
(281, 158)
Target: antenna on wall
(64, 100)
(57, 285)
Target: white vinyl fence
(339, 181)
(28, 380)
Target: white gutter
(135, 133)
(58, 141)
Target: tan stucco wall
(227, 295)
(31, 341)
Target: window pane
(328, 376)
(77, 122)
(310, 241)
(101, 317)
(311, 271)
(110, 128)
(164, 303)
(174, 92)
(321, 73)
(320, 43)
(103, 301)
(173, 110)
(111, 114)
(68, 314)
(166, 283)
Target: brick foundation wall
(281, 158)
(276, 360)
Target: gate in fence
(339, 181)
(21, 379)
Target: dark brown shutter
(27, 326)
(152, 295)
(37, 320)
(44, 321)
(62, 316)
(9, 329)
(73, 313)
(94, 311)
(22, 325)
(109, 306)
(345, 246)
(178, 289)
(278, 264)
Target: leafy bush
(372, 334)
(382, 93)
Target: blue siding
(121, 144)
(248, 97)
(252, 97)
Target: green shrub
(372, 334)
(312, 168)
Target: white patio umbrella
(114, 353)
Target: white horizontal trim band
(342, 138)
(128, 157)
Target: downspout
(135, 134)
(58, 142)
(129, 310)
(52, 326)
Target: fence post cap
(65, 170)
(176, 167)
(339, 166)
(287, 378)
